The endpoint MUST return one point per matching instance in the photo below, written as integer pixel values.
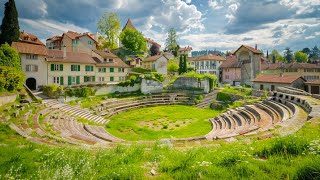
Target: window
(227, 76)
(102, 70)
(75, 67)
(153, 66)
(90, 42)
(56, 80)
(120, 69)
(31, 68)
(73, 80)
(261, 86)
(89, 68)
(32, 56)
(89, 78)
(75, 42)
(111, 69)
(111, 78)
(56, 67)
(122, 78)
(110, 60)
(101, 79)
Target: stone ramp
(207, 99)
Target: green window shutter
(111, 78)
(91, 68)
(86, 68)
(93, 79)
(78, 67)
(104, 69)
(72, 67)
(69, 80)
(111, 69)
(52, 67)
(61, 81)
(61, 67)
(78, 79)
(119, 69)
(85, 78)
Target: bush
(155, 76)
(223, 97)
(11, 79)
(141, 70)
(80, 92)
(52, 90)
(309, 171)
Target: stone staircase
(207, 99)
(78, 112)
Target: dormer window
(105, 60)
(26, 38)
(110, 60)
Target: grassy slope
(126, 125)
(281, 158)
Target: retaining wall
(7, 99)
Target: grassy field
(154, 123)
(291, 157)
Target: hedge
(52, 90)
(11, 79)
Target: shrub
(200, 97)
(141, 70)
(81, 92)
(11, 79)
(223, 97)
(52, 90)
(155, 76)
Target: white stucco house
(158, 63)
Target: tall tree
(277, 55)
(180, 65)
(10, 25)
(288, 55)
(274, 59)
(154, 50)
(267, 54)
(306, 50)
(171, 41)
(185, 67)
(301, 57)
(314, 54)
(109, 26)
(172, 67)
(133, 40)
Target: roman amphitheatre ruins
(54, 123)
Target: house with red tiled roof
(74, 42)
(271, 81)
(158, 63)
(249, 59)
(231, 71)
(186, 51)
(207, 63)
(33, 59)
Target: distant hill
(205, 52)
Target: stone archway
(31, 83)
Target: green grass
(155, 123)
(21, 159)
(237, 90)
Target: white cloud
(214, 4)
(188, 1)
(301, 6)
(232, 9)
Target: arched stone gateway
(31, 83)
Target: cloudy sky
(202, 24)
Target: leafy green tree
(172, 67)
(185, 67)
(288, 56)
(109, 25)
(133, 40)
(11, 79)
(9, 57)
(171, 41)
(10, 25)
(301, 57)
(277, 56)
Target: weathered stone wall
(114, 88)
(189, 83)
(150, 86)
(7, 99)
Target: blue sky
(202, 24)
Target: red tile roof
(208, 57)
(270, 66)
(26, 48)
(276, 78)
(55, 38)
(154, 58)
(255, 51)
(29, 38)
(72, 57)
(296, 65)
(315, 82)
(105, 54)
(115, 63)
(230, 62)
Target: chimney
(256, 47)
(64, 51)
